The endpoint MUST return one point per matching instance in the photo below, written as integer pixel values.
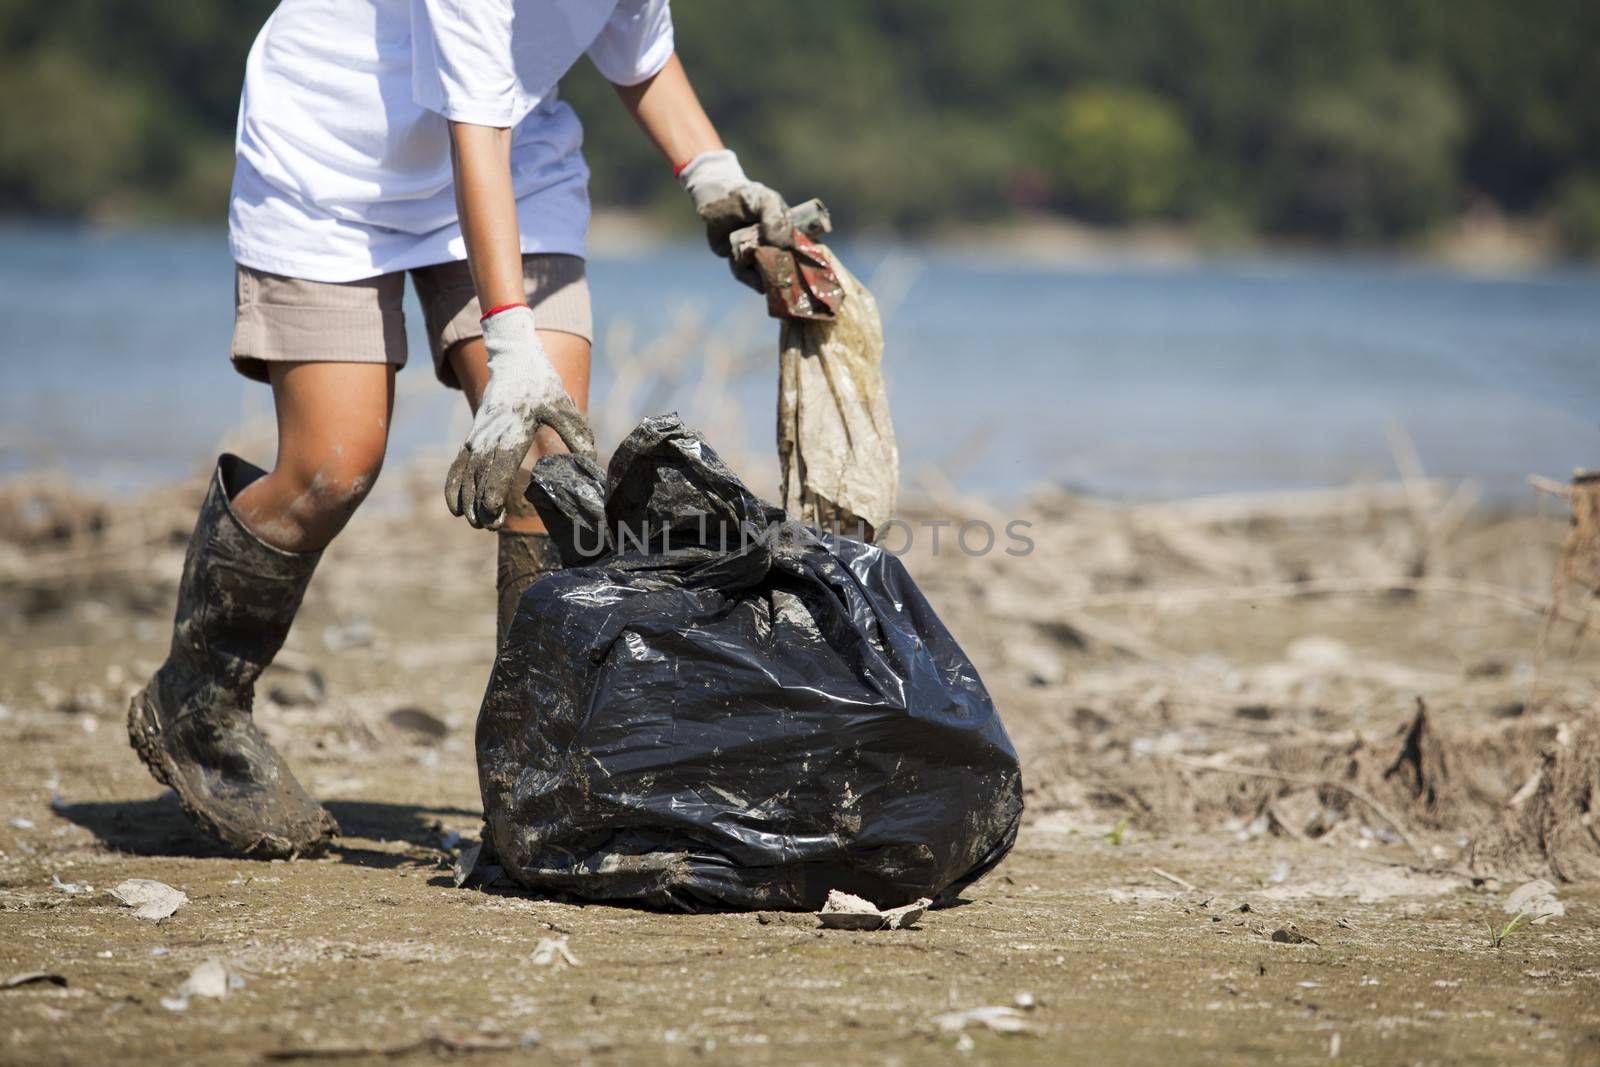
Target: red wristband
(678, 169)
(487, 315)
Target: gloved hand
(726, 200)
(524, 393)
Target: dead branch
(436, 1044)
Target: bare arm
(487, 207)
(669, 113)
(524, 391)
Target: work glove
(523, 394)
(726, 201)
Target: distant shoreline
(1482, 242)
(1486, 243)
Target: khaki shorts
(291, 320)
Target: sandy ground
(1134, 654)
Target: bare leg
(333, 427)
(256, 542)
(569, 354)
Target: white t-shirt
(343, 167)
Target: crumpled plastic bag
(714, 707)
(836, 448)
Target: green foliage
(81, 143)
(1578, 215)
(1357, 120)
(1368, 159)
(1118, 155)
(1497, 937)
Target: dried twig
(437, 1044)
(1175, 880)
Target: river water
(1139, 382)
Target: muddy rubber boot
(192, 724)
(524, 558)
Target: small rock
(85, 699)
(352, 633)
(1489, 667)
(1288, 935)
(845, 911)
(1537, 900)
(1089, 721)
(299, 689)
(428, 726)
(20, 823)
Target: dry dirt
(1149, 661)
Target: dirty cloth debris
(150, 899)
(845, 911)
(712, 707)
(836, 447)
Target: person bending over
(377, 139)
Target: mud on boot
(523, 558)
(192, 723)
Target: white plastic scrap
(551, 949)
(845, 911)
(467, 863)
(71, 889)
(213, 978)
(1002, 1019)
(151, 900)
(1537, 900)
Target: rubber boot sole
(144, 732)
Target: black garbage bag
(712, 707)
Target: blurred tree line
(1361, 120)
